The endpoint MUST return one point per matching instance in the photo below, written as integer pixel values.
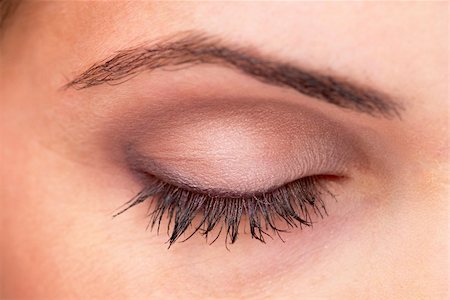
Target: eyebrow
(193, 48)
(7, 9)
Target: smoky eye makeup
(247, 167)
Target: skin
(385, 237)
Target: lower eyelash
(292, 204)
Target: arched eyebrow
(191, 48)
(7, 9)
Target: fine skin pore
(64, 171)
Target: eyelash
(292, 203)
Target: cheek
(58, 228)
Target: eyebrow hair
(7, 9)
(192, 48)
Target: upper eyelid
(194, 48)
(190, 143)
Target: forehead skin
(57, 247)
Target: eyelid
(243, 146)
(144, 168)
(177, 153)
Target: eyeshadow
(240, 145)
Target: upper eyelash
(292, 203)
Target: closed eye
(266, 213)
(224, 169)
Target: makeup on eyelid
(243, 146)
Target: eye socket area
(220, 164)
